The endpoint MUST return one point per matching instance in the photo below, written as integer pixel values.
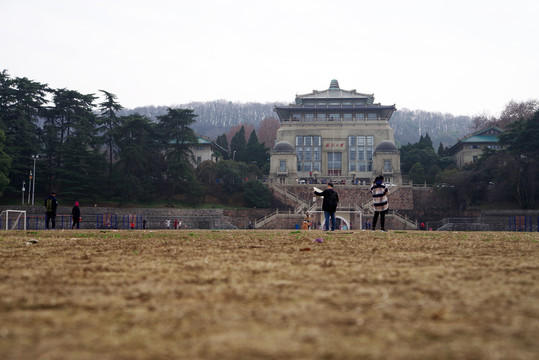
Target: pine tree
(107, 121)
(441, 150)
(21, 102)
(238, 145)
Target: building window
(360, 117)
(372, 116)
(308, 150)
(316, 153)
(360, 153)
(347, 117)
(282, 166)
(309, 117)
(320, 117)
(334, 163)
(199, 147)
(296, 117)
(334, 117)
(387, 165)
(199, 160)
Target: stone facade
(335, 135)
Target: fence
(486, 223)
(126, 221)
(522, 223)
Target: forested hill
(217, 117)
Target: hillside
(217, 117)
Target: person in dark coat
(329, 205)
(75, 212)
(51, 204)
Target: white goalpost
(16, 216)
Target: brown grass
(268, 295)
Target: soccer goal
(13, 218)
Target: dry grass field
(256, 294)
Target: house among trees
(470, 148)
(206, 149)
(334, 134)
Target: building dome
(386, 146)
(284, 147)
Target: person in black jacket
(329, 205)
(76, 215)
(50, 210)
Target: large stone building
(334, 134)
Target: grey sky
(462, 57)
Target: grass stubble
(268, 294)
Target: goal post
(14, 217)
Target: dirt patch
(268, 295)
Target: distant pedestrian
(176, 224)
(329, 205)
(379, 192)
(167, 223)
(144, 224)
(75, 213)
(51, 204)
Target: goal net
(13, 219)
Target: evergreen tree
(238, 145)
(176, 136)
(417, 173)
(256, 194)
(5, 164)
(138, 172)
(107, 121)
(441, 150)
(21, 102)
(72, 143)
(255, 152)
(222, 141)
(522, 146)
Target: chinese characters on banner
(334, 145)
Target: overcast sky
(463, 57)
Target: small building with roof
(206, 149)
(469, 149)
(335, 134)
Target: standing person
(379, 192)
(75, 212)
(329, 205)
(50, 210)
(144, 224)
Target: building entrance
(334, 163)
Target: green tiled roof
(480, 139)
(202, 140)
